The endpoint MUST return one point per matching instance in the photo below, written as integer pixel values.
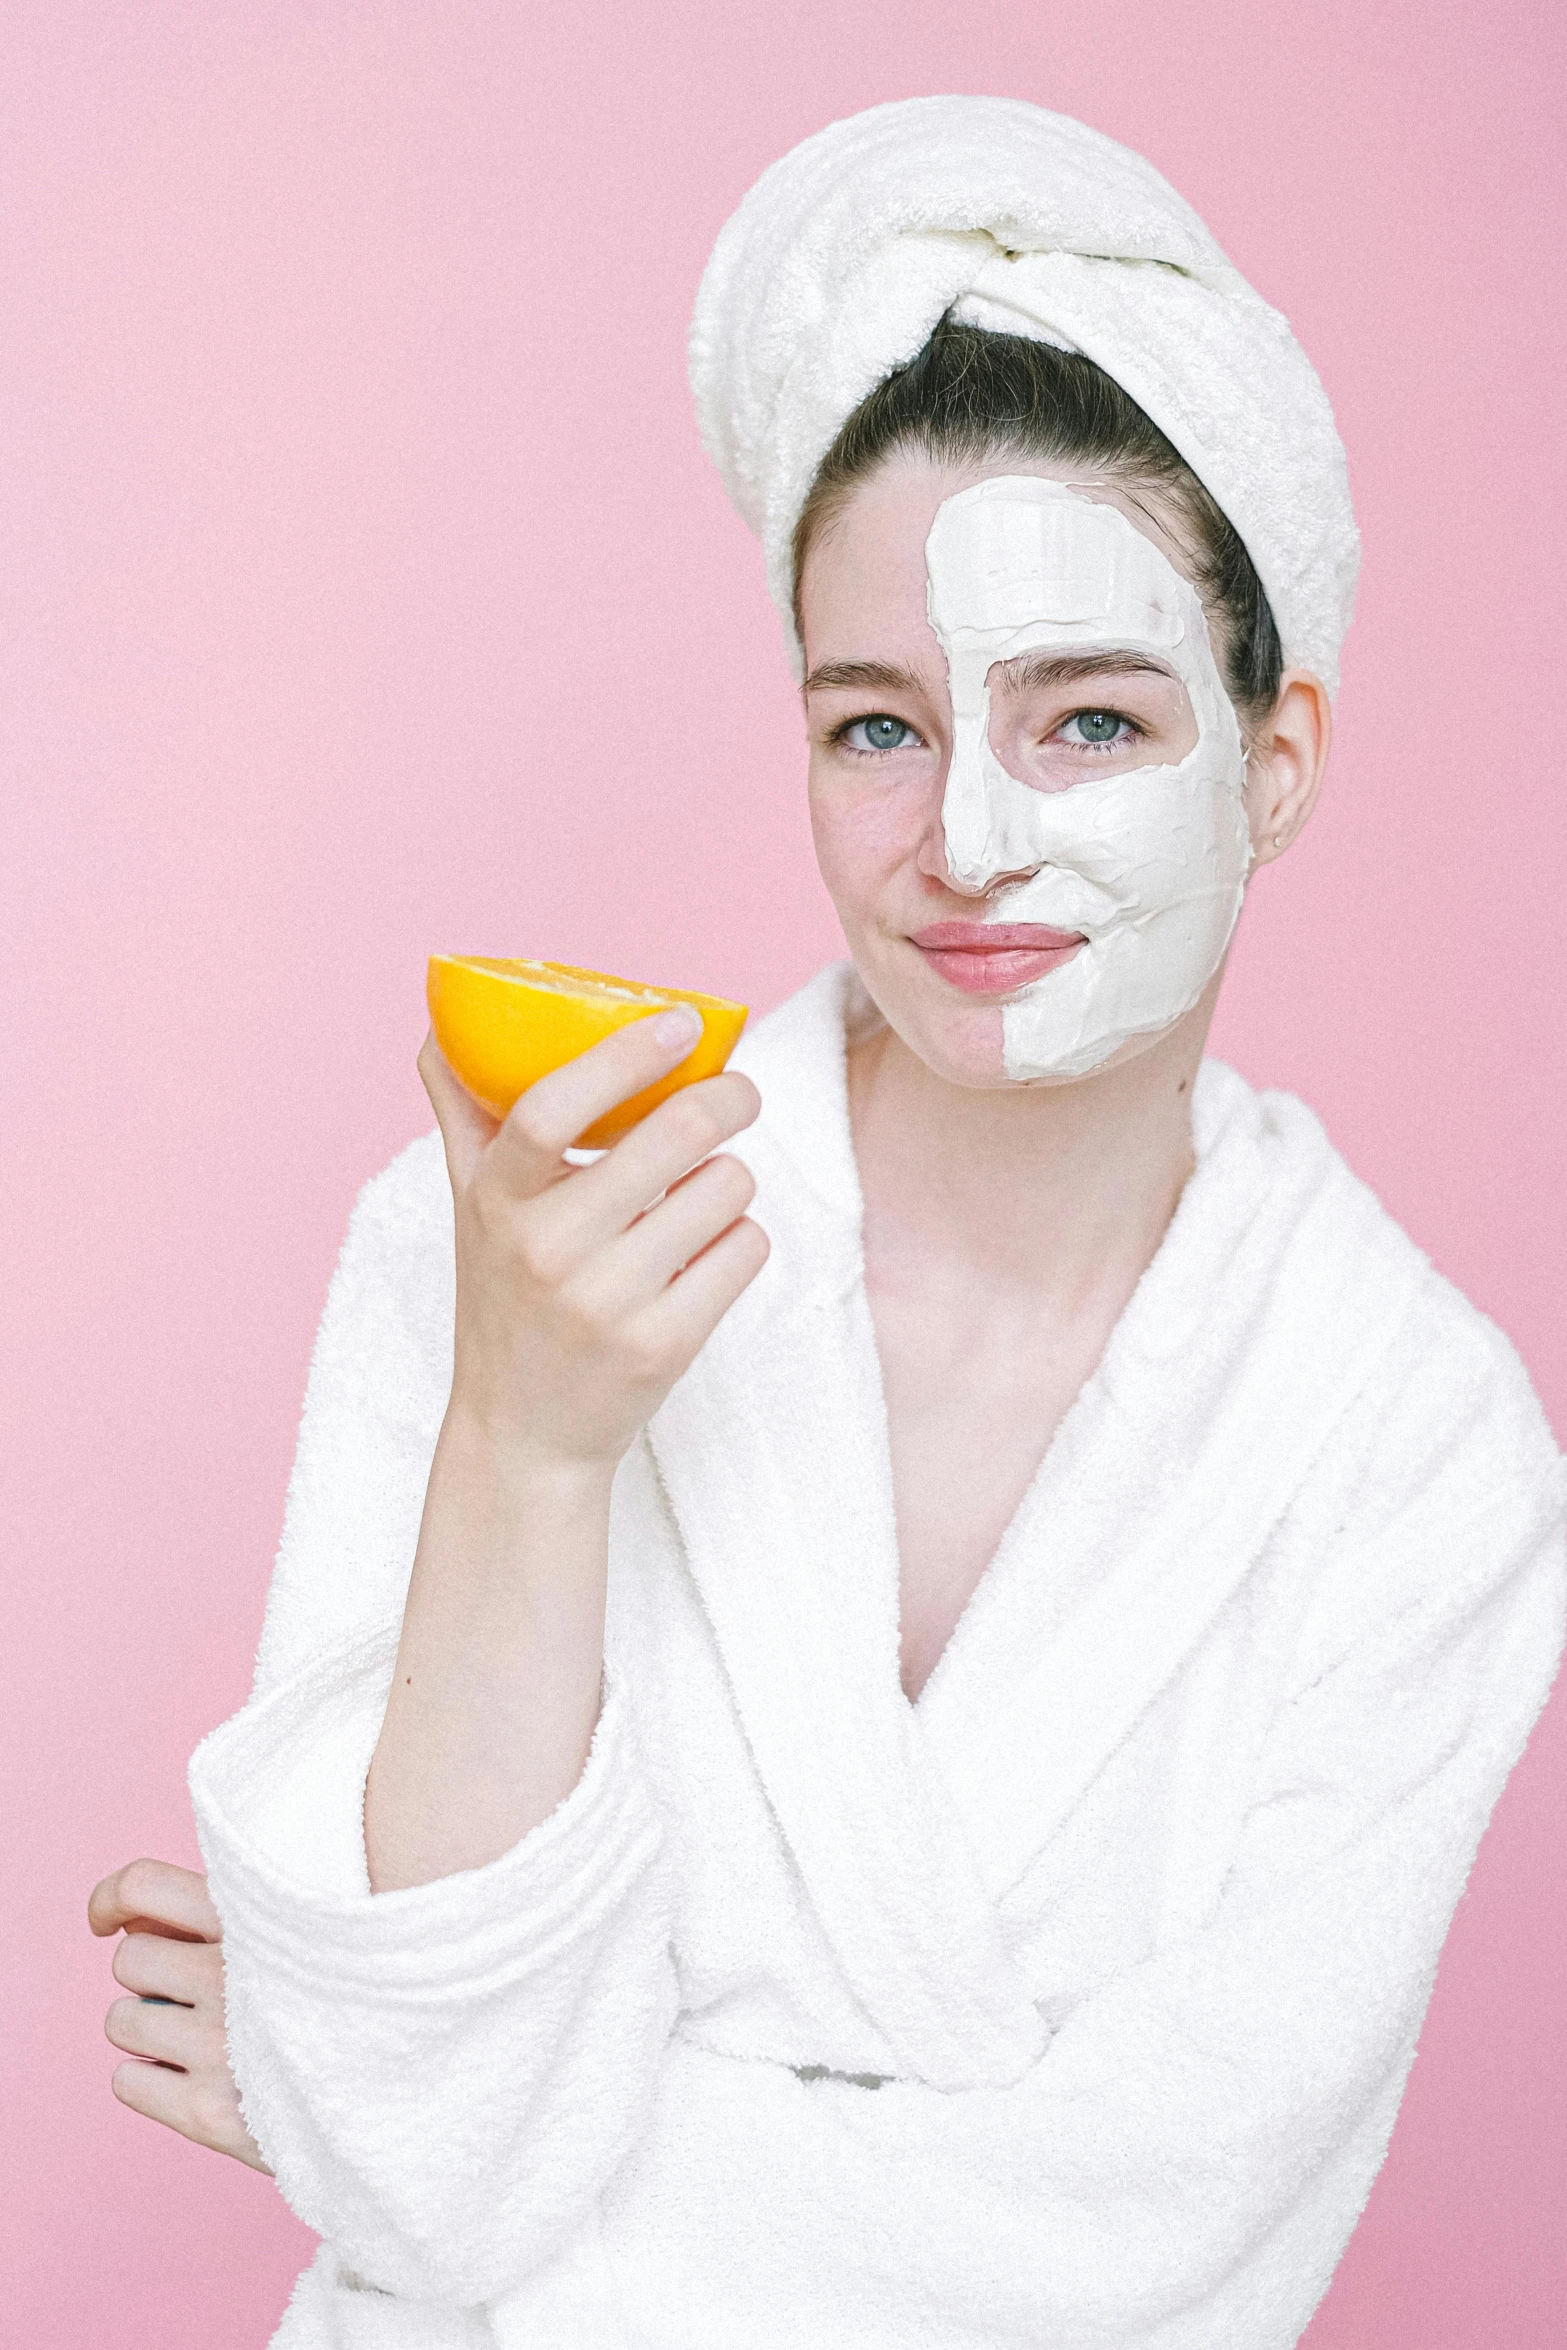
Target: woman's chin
(960, 1043)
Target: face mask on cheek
(1149, 863)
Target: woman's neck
(1005, 1231)
(1051, 1192)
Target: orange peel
(503, 1024)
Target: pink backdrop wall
(343, 392)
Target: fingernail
(682, 1025)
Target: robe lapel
(773, 1453)
(1273, 1296)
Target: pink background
(367, 592)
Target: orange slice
(503, 1025)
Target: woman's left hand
(172, 1961)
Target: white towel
(846, 254)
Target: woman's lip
(988, 937)
(994, 959)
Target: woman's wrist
(509, 1528)
(477, 1445)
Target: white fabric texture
(848, 251)
(1068, 2008)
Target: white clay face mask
(1149, 864)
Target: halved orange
(504, 1024)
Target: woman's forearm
(582, 1295)
(496, 1691)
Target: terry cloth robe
(1068, 2008)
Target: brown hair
(970, 395)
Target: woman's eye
(1098, 727)
(879, 733)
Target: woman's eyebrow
(1033, 673)
(887, 677)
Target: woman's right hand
(171, 2028)
(583, 1292)
(579, 1300)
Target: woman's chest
(973, 1399)
(985, 1318)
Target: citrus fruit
(504, 1024)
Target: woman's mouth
(993, 958)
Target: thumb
(466, 1126)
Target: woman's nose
(966, 880)
(988, 818)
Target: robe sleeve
(1187, 2160)
(442, 2077)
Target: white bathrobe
(1068, 2008)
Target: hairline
(818, 515)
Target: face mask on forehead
(1149, 863)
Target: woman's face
(923, 928)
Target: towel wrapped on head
(847, 253)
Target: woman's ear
(1285, 763)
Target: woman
(901, 1781)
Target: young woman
(900, 1781)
